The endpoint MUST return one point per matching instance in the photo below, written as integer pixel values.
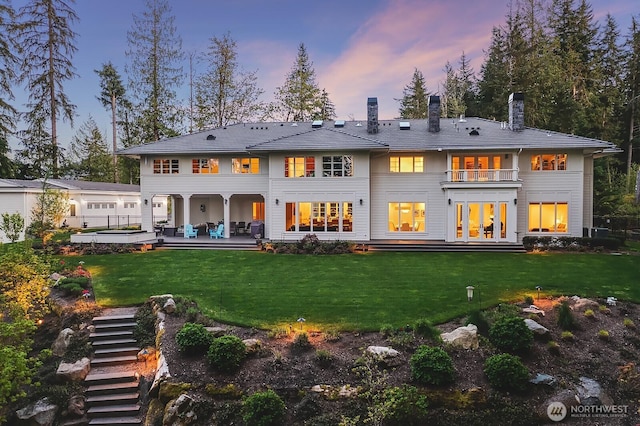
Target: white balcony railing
(482, 175)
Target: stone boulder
(382, 352)
(62, 342)
(169, 306)
(147, 354)
(567, 397)
(580, 303)
(543, 379)
(39, 413)
(75, 407)
(252, 346)
(216, 331)
(179, 412)
(462, 337)
(539, 330)
(533, 309)
(75, 371)
(590, 393)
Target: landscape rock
(162, 374)
(583, 303)
(147, 354)
(170, 391)
(155, 413)
(383, 352)
(62, 342)
(533, 309)
(252, 345)
(462, 337)
(216, 331)
(39, 413)
(75, 371)
(543, 379)
(332, 392)
(566, 396)
(538, 329)
(75, 407)
(169, 306)
(590, 393)
(179, 412)
(611, 301)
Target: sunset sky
(358, 48)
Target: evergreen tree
(112, 94)
(225, 94)
(632, 93)
(414, 102)
(90, 154)
(47, 41)
(299, 97)
(467, 81)
(154, 52)
(8, 62)
(326, 111)
(452, 101)
(494, 84)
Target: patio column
(226, 205)
(186, 208)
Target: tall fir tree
(8, 62)
(632, 94)
(326, 109)
(225, 94)
(452, 102)
(468, 87)
(298, 98)
(414, 102)
(91, 160)
(47, 41)
(154, 53)
(112, 95)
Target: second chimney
(516, 112)
(434, 114)
(372, 115)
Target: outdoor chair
(240, 228)
(190, 231)
(218, 233)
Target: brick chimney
(434, 114)
(372, 115)
(516, 112)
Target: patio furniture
(232, 228)
(190, 231)
(241, 228)
(217, 233)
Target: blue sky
(359, 48)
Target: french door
(481, 220)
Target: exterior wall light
(277, 201)
(360, 201)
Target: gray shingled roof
(75, 185)
(453, 135)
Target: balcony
(482, 175)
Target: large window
(548, 217)
(337, 165)
(166, 166)
(101, 206)
(299, 166)
(204, 165)
(406, 217)
(549, 162)
(319, 217)
(406, 164)
(245, 165)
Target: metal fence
(106, 221)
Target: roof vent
(462, 119)
(338, 123)
(211, 137)
(316, 124)
(474, 132)
(294, 125)
(405, 125)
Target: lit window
(406, 164)
(549, 162)
(166, 166)
(548, 217)
(319, 217)
(204, 165)
(337, 165)
(406, 217)
(245, 165)
(299, 167)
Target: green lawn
(358, 291)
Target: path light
(470, 289)
(301, 320)
(538, 288)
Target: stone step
(110, 335)
(113, 360)
(119, 421)
(111, 388)
(114, 319)
(126, 410)
(117, 326)
(106, 378)
(116, 351)
(113, 399)
(100, 344)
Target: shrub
(145, 330)
(432, 365)
(553, 347)
(604, 310)
(332, 335)
(478, 319)
(506, 372)
(278, 333)
(324, 358)
(567, 335)
(603, 334)
(565, 317)
(423, 327)
(301, 342)
(226, 353)
(263, 409)
(628, 322)
(589, 313)
(528, 300)
(511, 334)
(71, 288)
(193, 339)
(405, 406)
(387, 330)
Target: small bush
(387, 330)
(324, 358)
(528, 300)
(226, 353)
(145, 330)
(567, 336)
(424, 328)
(332, 335)
(401, 339)
(604, 310)
(432, 366)
(506, 372)
(192, 314)
(193, 339)
(553, 347)
(71, 289)
(589, 314)
(263, 409)
(565, 317)
(278, 333)
(511, 334)
(628, 322)
(301, 342)
(406, 406)
(603, 334)
(478, 319)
